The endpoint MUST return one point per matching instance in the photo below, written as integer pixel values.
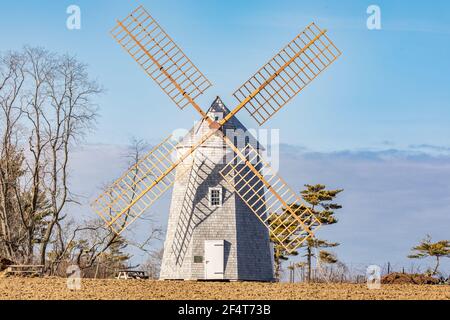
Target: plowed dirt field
(56, 288)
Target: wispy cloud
(392, 198)
(431, 149)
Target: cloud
(392, 197)
(431, 149)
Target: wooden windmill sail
(265, 194)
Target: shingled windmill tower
(212, 233)
(226, 198)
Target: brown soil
(56, 288)
(404, 278)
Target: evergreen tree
(327, 257)
(320, 202)
(278, 223)
(114, 258)
(427, 248)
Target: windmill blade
(147, 43)
(144, 183)
(285, 75)
(270, 198)
(133, 193)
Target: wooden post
(293, 273)
(96, 271)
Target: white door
(214, 259)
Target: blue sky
(390, 86)
(376, 123)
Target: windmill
(225, 248)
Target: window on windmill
(217, 116)
(215, 197)
(198, 259)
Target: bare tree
(12, 80)
(46, 107)
(92, 245)
(48, 99)
(153, 264)
(70, 114)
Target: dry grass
(55, 288)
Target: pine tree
(281, 222)
(327, 257)
(427, 248)
(115, 259)
(320, 202)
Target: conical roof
(218, 106)
(233, 128)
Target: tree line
(47, 107)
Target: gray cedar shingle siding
(248, 254)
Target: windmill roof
(218, 106)
(232, 124)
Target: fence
(340, 273)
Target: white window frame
(210, 197)
(216, 116)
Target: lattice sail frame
(269, 197)
(133, 193)
(142, 37)
(288, 73)
(152, 48)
